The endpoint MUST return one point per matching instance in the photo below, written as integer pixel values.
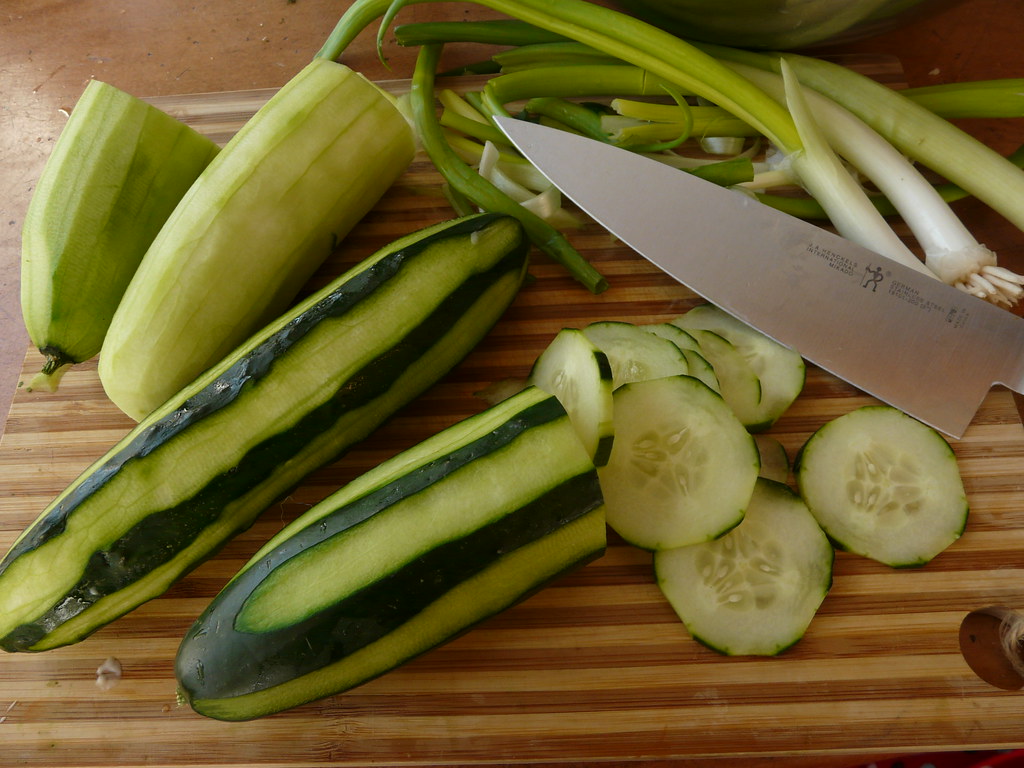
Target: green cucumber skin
(217, 661)
(159, 536)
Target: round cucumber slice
(682, 466)
(883, 485)
(755, 590)
(739, 383)
(578, 373)
(781, 370)
(635, 355)
(699, 367)
(673, 333)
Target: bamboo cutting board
(595, 668)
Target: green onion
(731, 80)
(577, 117)
(916, 131)
(707, 119)
(550, 54)
(468, 183)
(852, 213)
(951, 252)
(980, 98)
(726, 173)
(493, 32)
(809, 208)
(470, 127)
(631, 40)
(574, 81)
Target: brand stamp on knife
(835, 260)
(875, 278)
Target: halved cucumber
(883, 485)
(405, 557)
(634, 354)
(699, 366)
(203, 466)
(578, 373)
(682, 467)
(755, 590)
(780, 369)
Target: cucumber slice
(774, 459)
(755, 590)
(673, 333)
(883, 485)
(578, 373)
(682, 467)
(634, 354)
(699, 366)
(739, 383)
(781, 370)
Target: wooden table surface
(50, 49)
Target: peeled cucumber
(116, 173)
(252, 229)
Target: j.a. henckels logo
(872, 278)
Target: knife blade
(896, 334)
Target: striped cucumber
(414, 552)
(252, 229)
(116, 172)
(203, 466)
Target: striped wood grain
(594, 668)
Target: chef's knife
(897, 334)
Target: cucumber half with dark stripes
(204, 465)
(414, 552)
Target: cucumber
(755, 590)
(682, 466)
(252, 229)
(634, 354)
(416, 551)
(780, 370)
(580, 376)
(739, 384)
(774, 459)
(883, 485)
(699, 366)
(202, 467)
(116, 173)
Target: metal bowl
(779, 24)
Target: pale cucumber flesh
(883, 485)
(779, 369)
(755, 590)
(634, 354)
(682, 466)
(575, 371)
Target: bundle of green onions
(851, 145)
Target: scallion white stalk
(919, 133)
(951, 252)
(822, 173)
